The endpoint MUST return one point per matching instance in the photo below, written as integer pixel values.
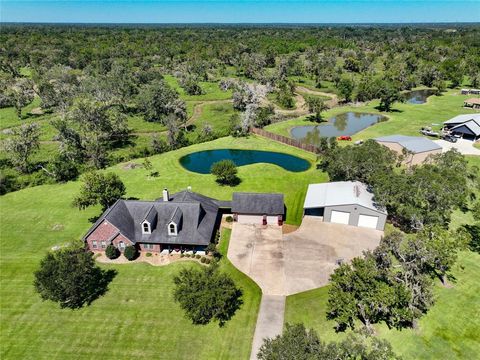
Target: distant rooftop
(414, 144)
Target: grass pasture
(137, 317)
(448, 331)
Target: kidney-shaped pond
(201, 162)
(348, 123)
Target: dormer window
(172, 229)
(146, 228)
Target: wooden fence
(286, 140)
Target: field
(137, 317)
(405, 119)
(448, 331)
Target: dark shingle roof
(258, 203)
(197, 215)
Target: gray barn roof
(414, 144)
(460, 119)
(258, 203)
(340, 193)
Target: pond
(348, 123)
(418, 96)
(201, 162)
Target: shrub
(182, 255)
(207, 261)
(202, 260)
(148, 254)
(130, 252)
(198, 256)
(112, 252)
(226, 172)
(229, 219)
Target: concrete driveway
(465, 147)
(299, 261)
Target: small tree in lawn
(70, 277)
(207, 294)
(226, 172)
(99, 188)
(388, 94)
(345, 87)
(316, 106)
(130, 252)
(112, 252)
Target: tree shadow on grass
(98, 286)
(233, 182)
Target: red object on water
(344, 137)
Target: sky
(239, 11)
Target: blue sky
(239, 11)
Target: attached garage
(258, 208)
(340, 217)
(344, 202)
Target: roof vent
(189, 188)
(356, 190)
(166, 197)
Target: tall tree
(22, 144)
(99, 188)
(316, 105)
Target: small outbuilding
(473, 103)
(258, 208)
(415, 148)
(466, 126)
(344, 202)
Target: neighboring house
(255, 208)
(473, 103)
(467, 126)
(344, 202)
(415, 148)
(185, 221)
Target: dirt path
(330, 103)
(198, 109)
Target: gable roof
(340, 193)
(258, 203)
(197, 214)
(473, 101)
(460, 119)
(414, 144)
(471, 125)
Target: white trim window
(172, 229)
(146, 229)
(148, 246)
(121, 245)
(94, 244)
(103, 244)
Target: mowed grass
(405, 119)
(211, 90)
(137, 317)
(448, 331)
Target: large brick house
(185, 221)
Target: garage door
(250, 219)
(272, 220)
(368, 221)
(340, 217)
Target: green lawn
(406, 119)
(211, 90)
(137, 317)
(448, 331)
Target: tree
(22, 144)
(21, 92)
(298, 343)
(91, 129)
(316, 105)
(388, 94)
(365, 163)
(206, 294)
(159, 145)
(112, 252)
(358, 291)
(130, 252)
(70, 277)
(345, 87)
(225, 171)
(157, 101)
(99, 188)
